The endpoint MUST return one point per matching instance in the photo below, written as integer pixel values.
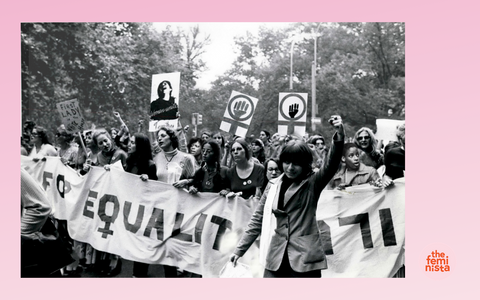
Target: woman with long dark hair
(258, 150)
(41, 144)
(140, 162)
(210, 177)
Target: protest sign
(292, 113)
(238, 114)
(164, 101)
(386, 129)
(71, 115)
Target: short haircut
(192, 141)
(172, 135)
(244, 144)
(347, 147)
(297, 152)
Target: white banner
(362, 228)
(238, 114)
(150, 222)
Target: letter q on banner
(238, 114)
(292, 113)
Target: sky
(219, 55)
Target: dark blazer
(296, 225)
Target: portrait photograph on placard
(213, 150)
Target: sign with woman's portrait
(164, 101)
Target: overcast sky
(219, 55)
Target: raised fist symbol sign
(240, 108)
(293, 110)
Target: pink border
(442, 73)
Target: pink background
(442, 80)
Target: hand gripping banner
(150, 222)
(362, 228)
(238, 114)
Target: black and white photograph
(213, 150)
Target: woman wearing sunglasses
(366, 141)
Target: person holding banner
(245, 176)
(140, 162)
(352, 171)
(290, 244)
(210, 177)
(365, 140)
(66, 151)
(172, 164)
(108, 264)
(41, 145)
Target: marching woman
(139, 162)
(365, 140)
(209, 178)
(290, 244)
(245, 176)
(41, 145)
(108, 264)
(194, 147)
(258, 150)
(172, 166)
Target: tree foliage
(108, 66)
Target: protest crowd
(283, 175)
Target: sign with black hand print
(292, 113)
(238, 114)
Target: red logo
(437, 262)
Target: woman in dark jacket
(210, 177)
(290, 244)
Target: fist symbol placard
(240, 108)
